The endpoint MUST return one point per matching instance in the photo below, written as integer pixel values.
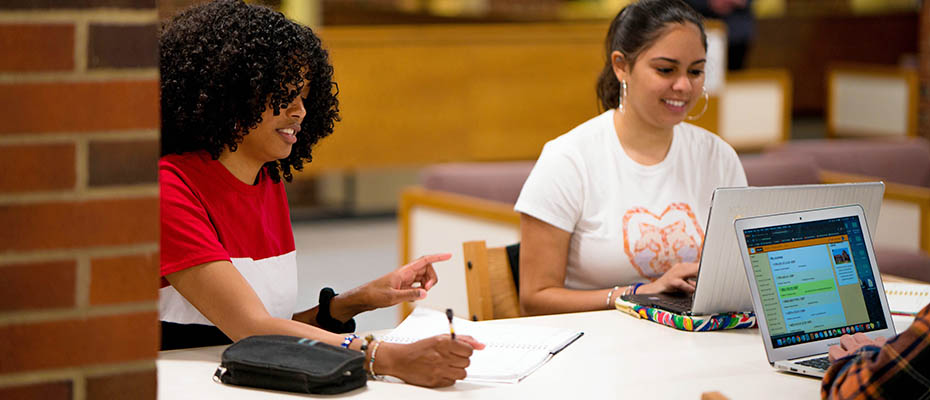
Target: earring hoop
(700, 114)
(622, 95)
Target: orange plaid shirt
(898, 370)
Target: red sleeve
(188, 238)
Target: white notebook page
(906, 298)
(512, 351)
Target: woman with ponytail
(618, 204)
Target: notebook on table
(512, 351)
(907, 298)
(721, 284)
(813, 278)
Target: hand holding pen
(432, 362)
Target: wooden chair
(492, 293)
(432, 221)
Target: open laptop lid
(812, 277)
(721, 285)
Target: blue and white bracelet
(348, 340)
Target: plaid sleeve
(899, 369)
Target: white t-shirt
(629, 222)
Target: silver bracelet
(611, 294)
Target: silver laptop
(721, 283)
(813, 278)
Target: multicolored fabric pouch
(696, 323)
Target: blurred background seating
(460, 202)
(868, 100)
(755, 109)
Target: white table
(619, 356)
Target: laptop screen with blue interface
(815, 280)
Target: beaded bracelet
(611, 294)
(368, 339)
(371, 362)
(348, 340)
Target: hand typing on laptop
(893, 370)
(679, 278)
(671, 292)
(850, 344)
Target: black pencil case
(291, 364)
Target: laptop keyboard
(677, 303)
(680, 302)
(821, 363)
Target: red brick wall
(78, 199)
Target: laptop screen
(815, 280)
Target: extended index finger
(429, 259)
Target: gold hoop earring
(706, 101)
(622, 95)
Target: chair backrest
(871, 100)
(492, 293)
(755, 108)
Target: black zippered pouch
(291, 364)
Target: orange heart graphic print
(654, 243)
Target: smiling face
(273, 137)
(666, 79)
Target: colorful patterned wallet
(696, 323)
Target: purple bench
(904, 161)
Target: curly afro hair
(223, 63)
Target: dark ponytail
(635, 28)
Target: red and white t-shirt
(207, 214)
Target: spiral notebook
(906, 298)
(512, 351)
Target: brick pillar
(923, 111)
(78, 199)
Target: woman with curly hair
(245, 95)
